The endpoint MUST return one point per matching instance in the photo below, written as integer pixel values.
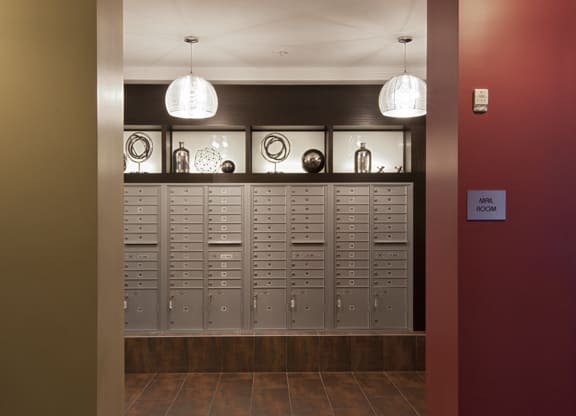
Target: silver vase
(181, 159)
(362, 160)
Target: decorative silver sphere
(313, 161)
(228, 166)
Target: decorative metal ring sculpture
(275, 147)
(207, 160)
(139, 147)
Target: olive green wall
(56, 349)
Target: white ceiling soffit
(273, 41)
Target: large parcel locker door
(141, 310)
(269, 307)
(352, 308)
(389, 308)
(185, 309)
(224, 308)
(307, 308)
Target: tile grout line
(214, 394)
(402, 394)
(141, 392)
(326, 393)
(364, 393)
(251, 396)
(176, 395)
(289, 395)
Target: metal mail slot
(230, 255)
(308, 228)
(183, 209)
(140, 190)
(352, 200)
(269, 237)
(225, 209)
(390, 238)
(269, 200)
(354, 255)
(391, 218)
(390, 190)
(222, 283)
(139, 256)
(307, 255)
(390, 273)
(141, 219)
(306, 238)
(186, 274)
(353, 273)
(390, 227)
(390, 200)
(308, 218)
(231, 238)
(136, 239)
(186, 284)
(307, 209)
(152, 228)
(269, 219)
(352, 190)
(187, 228)
(307, 190)
(391, 254)
(226, 219)
(139, 209)
(275, 283)
(269, 274)
(269, 246)
(269, 255)
(186, 190)
(354, 218)
(390, 209)
(313, 200)
(270, 228)
(309, 273)
(187, 255)
(352, 245)
(224, 265)
(224, 274)
(225, 200)
(358, 228)
(390, 283)
(140, 200)
(390, 264)
(352, 209)
(141, 274)
(186, 265)
(269, 190)
(307, 264)
(187, 219)
(272, 209)
(269, 264)
(186, 238)
(356, 282)
(307, 283)
(186, 200)
(186, 246)
(352, 264)
(225, 190)
(140, 284)
(225, 228)
(352, 236)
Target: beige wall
(54, 343)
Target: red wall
(516, 279)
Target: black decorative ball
(228, 166)
(313, 161)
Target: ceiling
(273, 41)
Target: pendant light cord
(404, 57)
(191, 47)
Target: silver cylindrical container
(181, 159)
(362, 160)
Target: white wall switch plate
(480, 100)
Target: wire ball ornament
(139, 147)
(207, 160)
(275, 148)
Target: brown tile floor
(276, 394)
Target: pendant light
(403, 96)
(191, 96)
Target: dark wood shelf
(265, 177)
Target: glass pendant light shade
(191, 96)
(403, 96)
